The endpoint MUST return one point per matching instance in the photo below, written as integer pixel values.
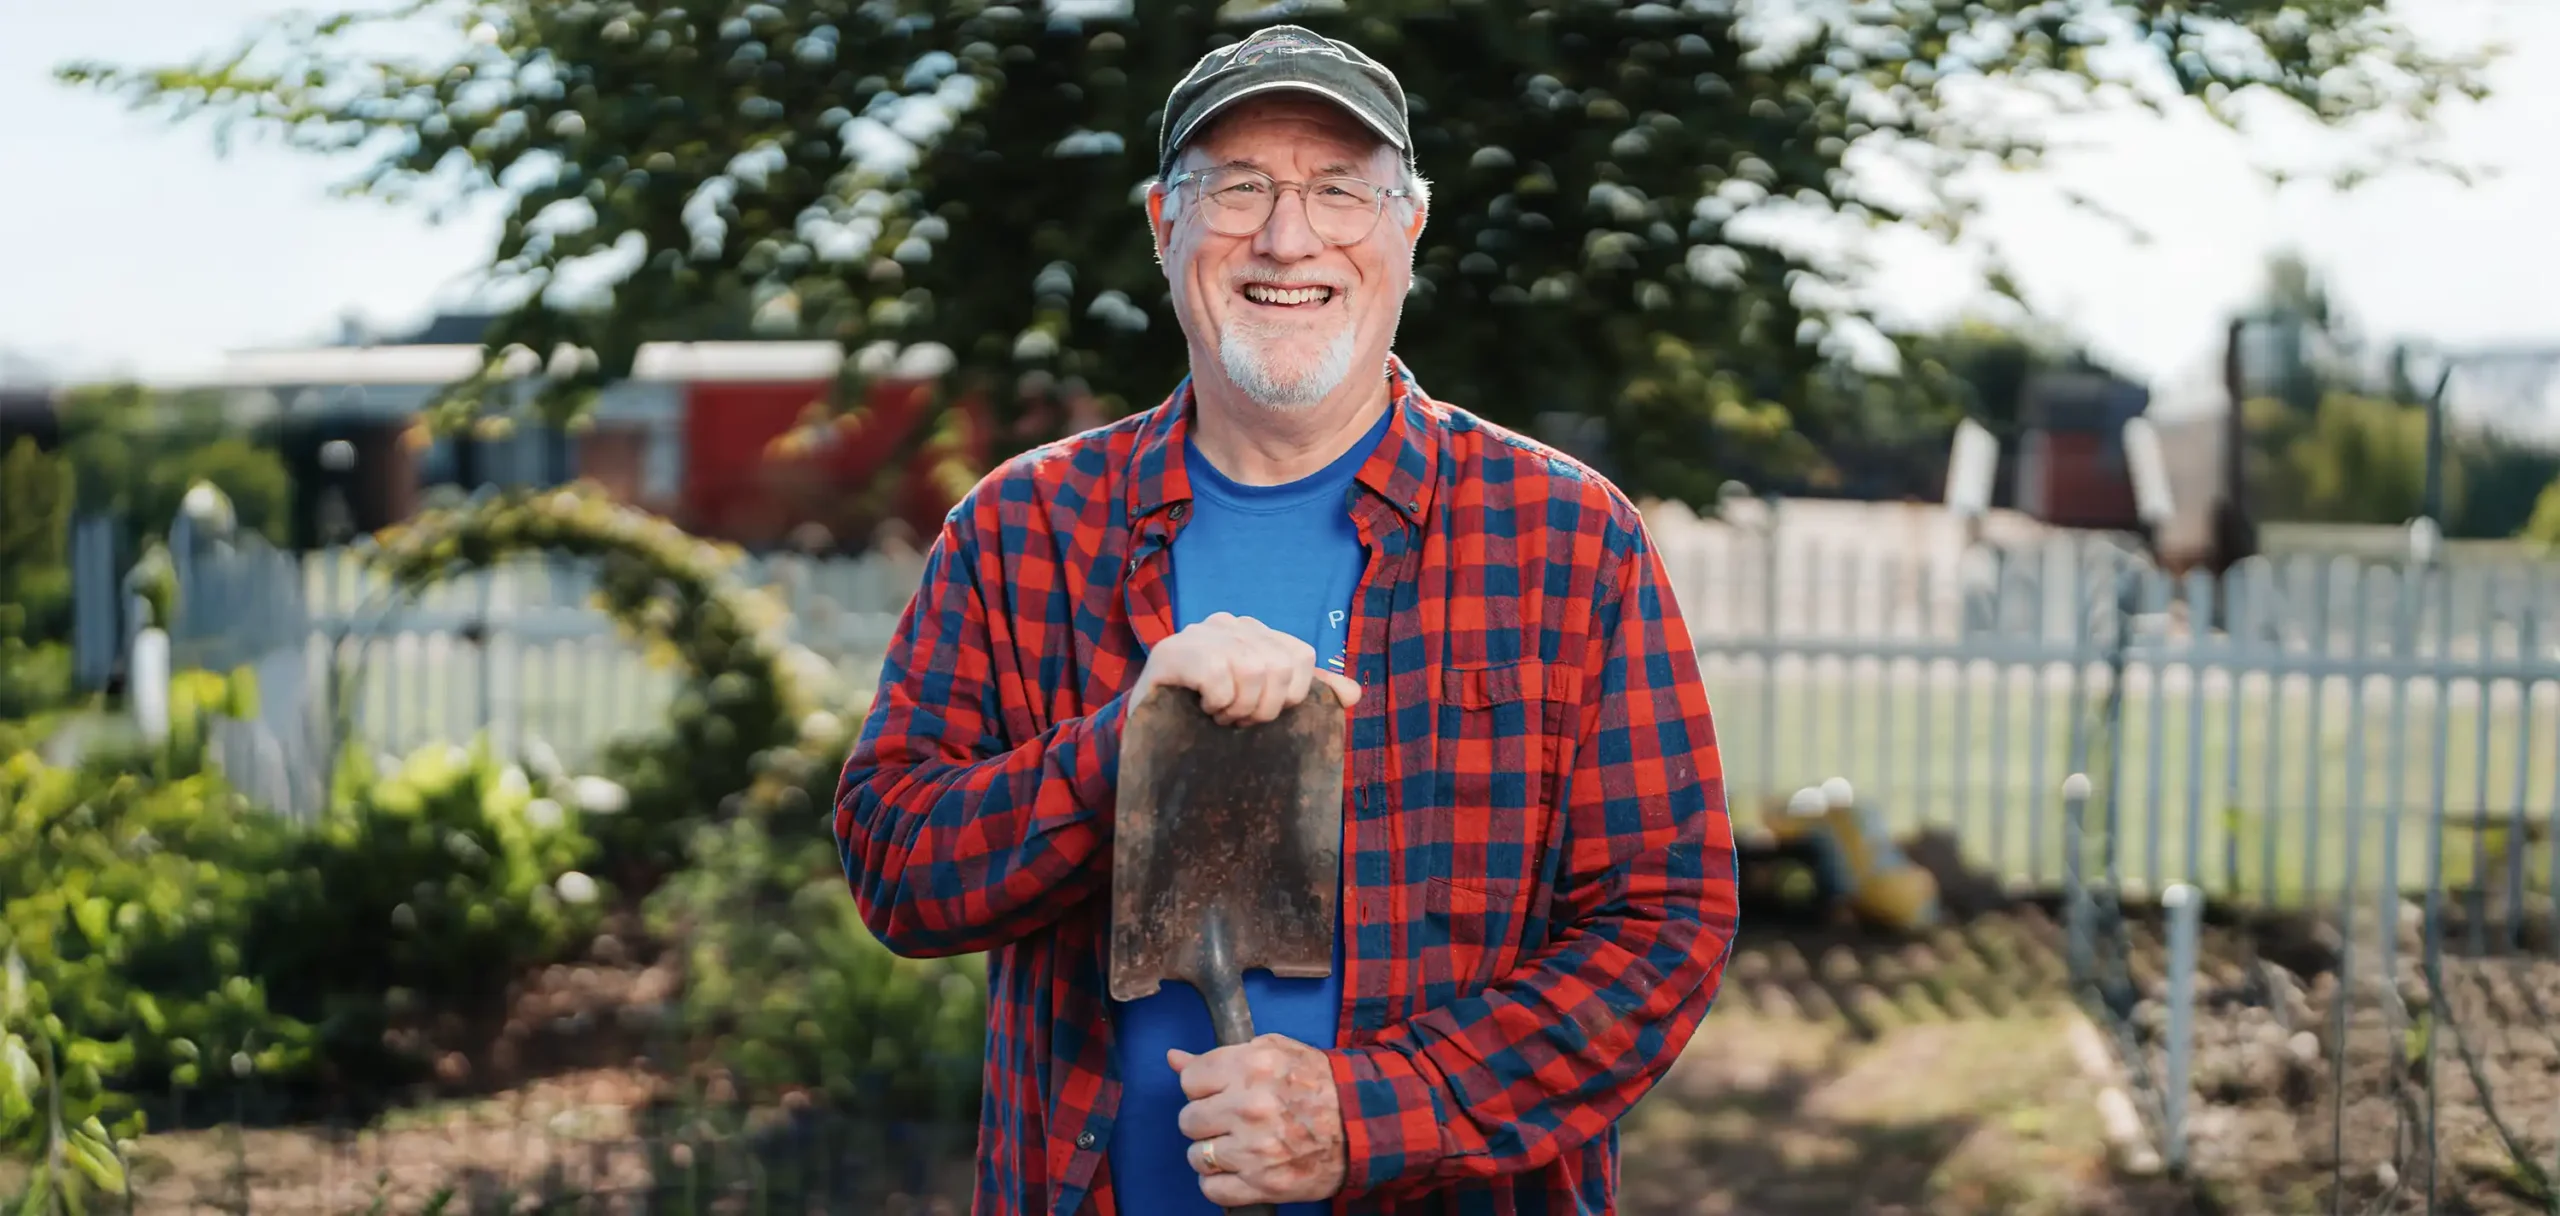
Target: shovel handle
(1222, 986)
(1222, 982)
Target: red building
(737, 441)
(2070, 468)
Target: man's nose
(1288, 236)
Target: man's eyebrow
(1331, 168)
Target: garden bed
(2284, 1113)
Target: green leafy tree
(958, 178)
(137, 453)
(2336, 423)
(35, 535)
(253, 478)
(2363, 460)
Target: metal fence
(2343, 770)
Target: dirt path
(1785, 1117)
(1843, 1074)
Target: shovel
(1226, 851)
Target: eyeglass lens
(1340, 209)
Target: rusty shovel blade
(1227, 849)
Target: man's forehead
(1255, 130)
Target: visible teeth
(1261, 293)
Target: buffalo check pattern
(1539, 888)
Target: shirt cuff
(1094, 773)
(1391, 1119)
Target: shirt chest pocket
(1506, 742)
(1507, 730)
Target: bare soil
(1843, 1072)
(2323, 1074)
(1850, 1074)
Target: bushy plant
(165, 935)
(123, 897)
(673, 594)
(35, 532)
(79, 1157)
(33, 679)
(787, 988)
(434, 882)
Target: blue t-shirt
(1287, 556)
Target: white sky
(131, 248)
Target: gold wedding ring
(1209, 1154)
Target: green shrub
(122, 899)
(674, 594)
(785, 985)
(433, 884)
(35, 534)
(33, 679)
(173, 937)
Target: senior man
(1538, 889)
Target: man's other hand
(1265, 1122)
(1245, 671)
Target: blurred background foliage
(1612, 180)
(2337, 430)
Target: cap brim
(1382, 128)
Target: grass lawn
(2243, 790)
(2238, 793)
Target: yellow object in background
(1880, 886)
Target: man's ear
(1413, 227)
(1156, 227)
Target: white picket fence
(1950, 681)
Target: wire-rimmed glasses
(1237, 201)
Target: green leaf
(39, 1192)
(243, 682)
(88, 1150)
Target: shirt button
(1180, 511)
(1084, 1139)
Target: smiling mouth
(1276, 296)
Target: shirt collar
(1399, 471)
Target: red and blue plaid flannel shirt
(1539, 871)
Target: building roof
(444, 363)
